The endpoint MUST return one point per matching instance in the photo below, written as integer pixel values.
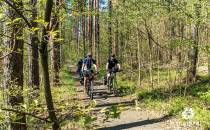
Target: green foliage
(205, 96)
(126, 88)
(33, 29)
(177, 106)
(83, 114)
(112, 112)
(15, 21)
(66, 77)
(202, 115)
(174, 101)
(102, 72)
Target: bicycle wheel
(89, 86)
(91, 90)
(86, 85)
(108, 83)
(114, 82)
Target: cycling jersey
(112, 63)
(88, 62)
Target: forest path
(130, 118)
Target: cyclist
(111, 66)
(88, 64)
(79, 70)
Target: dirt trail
(130, 119)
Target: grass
(62, 98)
(169, 92)
(175, 98)
(63, 92)
(66, 105)
(67, 82)
(82, 117)
(171, 99)
(125, 87)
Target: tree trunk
(172, 36)
(94, 29)
(208, 51)
(44, 63)
(90, 26)
(55, 56)
(209, 66)
(83, 27)
(117, 38)
(33, 53)
(110, 27)
(182, 30)
(122, 42)
(149, 35)
(193, 53)
(139, 55)
(77, 34)
(97, 31)
(13, 66)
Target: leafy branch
(29, 114)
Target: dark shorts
(113, 70)
(87, 73)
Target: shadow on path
(128, 103)
(136, 124)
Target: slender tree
(33, 50)
(90, 25)
(13, 63)
(55, 55)
(193, 53)
(97, 31)
(83, 3)
(150, 44)
(45, 67)
(110, 26)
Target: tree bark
(94, 29)
(44, 63)
(33, 53)
(208, 51)
(117, 38)
(110, 27)
(13, 65)
(83, 27)
(139, 55)
(90, 26)
(193, 53)
(149, 35)
(55, 55)
(97, 31)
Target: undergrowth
(176, 98)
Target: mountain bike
(112, 82)
(89, 84)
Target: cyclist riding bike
(79, 70)
(111, 66)
(88, 64)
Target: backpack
(88, 62)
